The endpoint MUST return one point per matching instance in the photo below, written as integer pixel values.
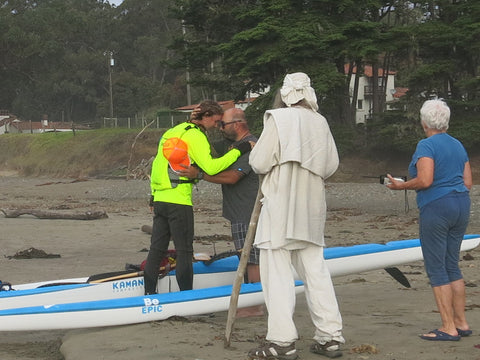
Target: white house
(364, 104)
(6, 121)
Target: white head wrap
(296, 87)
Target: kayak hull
(129, 310)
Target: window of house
(360, 104)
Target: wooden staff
(252, 228)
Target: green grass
(86, 153)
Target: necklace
(238, 141)
(243, 137)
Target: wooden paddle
(252, 228)
(101, 278)
(126, 275)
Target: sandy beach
(382, 319)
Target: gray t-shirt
(239, 198)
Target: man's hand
(190, 172)
(194, 113)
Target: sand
(382, 319)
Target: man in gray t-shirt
(239, 197)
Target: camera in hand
(384, 180)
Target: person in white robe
(294, 155)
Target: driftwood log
(45, 214)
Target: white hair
(435, 114)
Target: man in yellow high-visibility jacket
(179, 147)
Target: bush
(393, 132)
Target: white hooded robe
(295, 153)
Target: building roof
(6, 120)
(400, 91)
(247, 100)
(228, 104)
(368, 71)
(51, 126)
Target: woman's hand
(395, 184)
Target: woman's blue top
(449, 158)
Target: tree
(449, 47)
(52, 54)
(53, 57)
(49, 48)
(271, 39)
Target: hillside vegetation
(111, 152)
(83, 154)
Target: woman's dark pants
(170, 221)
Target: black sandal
(271, 351)
(330, 349)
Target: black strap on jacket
(181, 181)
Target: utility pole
(187, 74)
(110, 64)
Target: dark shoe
(330, 349)
(271, 351)
(440, 336)
(464, 333)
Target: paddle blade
(222, 255)
(397, 274)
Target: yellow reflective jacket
(165, 184)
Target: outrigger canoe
(76, 303)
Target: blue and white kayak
(340, 260)
(29, 301)
(129, 310)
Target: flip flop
(464, 333)
(440, 336)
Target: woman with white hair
(295, 153)
(441, 175)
